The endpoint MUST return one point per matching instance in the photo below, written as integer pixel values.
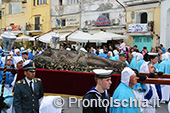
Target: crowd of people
(19, 58)
(155, 61)
(29, 90)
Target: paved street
(163, 108)
(73, 109)
(76, 109)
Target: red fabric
(68, 82)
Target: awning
(46, 38)
(77, 36)
(17, 32)
(33, 31)
(104, 36)
(22, 38)
(33, 38)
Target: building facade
(65, 15)
(165, 24)
(103, 14)
(143, 23)
(30, 17)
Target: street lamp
(55, 39)
(8, 41)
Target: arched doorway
(144, 17)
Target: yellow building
(30, 17)
(143, 24)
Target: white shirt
(28, 81)
(122, 46)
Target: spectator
(135, 48)
(163, 49)
(153, 50)
(35, 50)
(73, 48)
(169, 50)
(17, 52)
(116, 51)
(145, 54)
(130, 56)
(122, 46)
(160, 51)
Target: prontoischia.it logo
(59, 102)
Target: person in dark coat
(28, 91)
(98, 93)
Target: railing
(135, 2)
(141, 27)
(34, 27)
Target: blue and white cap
(25, 52)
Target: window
(24, 1)
(33, 2)
(144, 17)
(11, 24)
(23, 9)
(40, 2)
(72, 1)
(106, 14)
(37, 23)
(44, 1)
(63, 22)
(14, 7)
(3, 12)
(60, 2)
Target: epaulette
(23, 81)
(19, 81)
(37, 79)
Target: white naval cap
(102, 73)
(153, 54)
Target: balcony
(137, 29)
(139, 2)
(34, 28)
